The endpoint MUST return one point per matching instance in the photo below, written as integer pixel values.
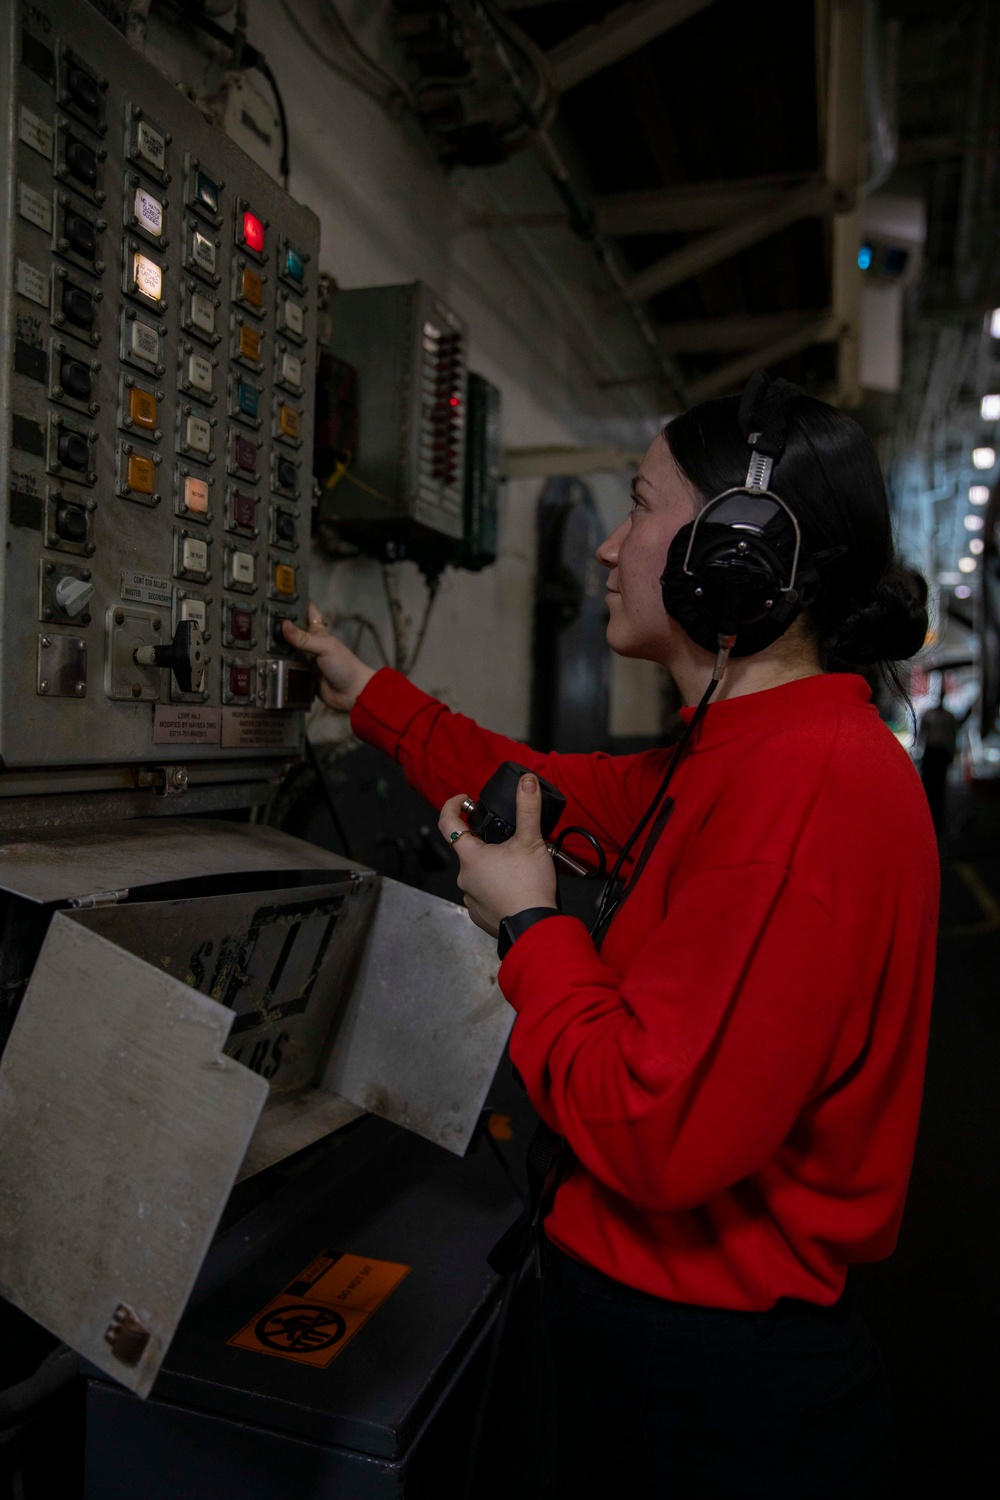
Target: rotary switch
(73, 595)
(185, 656)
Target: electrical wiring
(395, 84)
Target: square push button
(196, 610)
(147, 277)
(148, 213)
(247, 398)
(202, 255)
(245, 455)
(242, 512)
(198, 374)
(196, 495)
(206, 192)
(249, 344)
(290, 371)
(198, 435)
(240, 680)
(201, 313)
(150, 145)
(242, 572)
(291, 318)
(288, 422)
(241, 625)
(251, 288)
(140, 474)
(251, 231)
(284, 581)
(142, 409)
(144, 342)
(194, 555)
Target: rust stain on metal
(126, 1336)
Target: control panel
(410, 354)
(157, 312)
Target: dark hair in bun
(868, 609)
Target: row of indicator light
(984, 457)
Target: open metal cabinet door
(425, 1024)
(122, 1128)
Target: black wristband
(511, 928)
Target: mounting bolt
(81, 689)
(178, 776)
(119, 617)
(157, 624)
(45, 642)
(50, 567)
(43, 686)
(137, 690)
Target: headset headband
(763, 417)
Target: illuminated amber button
(284, 579)
(249, 343)
(140, 475)
(196, 494)
(288, 421)
(142, 408)
(251, 288)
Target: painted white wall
(389, 213)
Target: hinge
(100, 898)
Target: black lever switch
(185, 656)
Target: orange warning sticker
(318, 1313)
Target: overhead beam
(702, 205)
(745, 331)
(624, 31)
(824, 329)
(560, 463)
(815, 198)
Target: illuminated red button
(239, 681)
(253, 232)
(241, 626)
(244, 511)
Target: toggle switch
(73, 595)
(71, 522)
(185, 656)
(73, 450)
(75, 378)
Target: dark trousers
(672, 1402)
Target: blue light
(864, 257)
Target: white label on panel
(203, 313)
(293, 317)
(36, 133)
(151, 144)
(34, 207)
(203, 250)
(149, 211)
(200, 372)
(32, 283)
(177, 725)
(259, 729)
(145, 342)
(144, 588)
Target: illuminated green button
(295, 266)
(247, 398)
(207, 192)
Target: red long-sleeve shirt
(739, 1070)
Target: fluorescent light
(974, 523)
(963, 591)
(966, 564)
(948, 580)
(979, 494)
(984, 458)
(976, 545)
(989, 408)
(995, 322)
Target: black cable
(585, 833)
(244, 56)
(608, 907)
(324, 787)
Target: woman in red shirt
(735, 1060)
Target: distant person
(939, 737)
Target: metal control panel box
(157, 314)
(410, 353)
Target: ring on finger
(454, 837)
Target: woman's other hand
(499, 880)
(342, 676)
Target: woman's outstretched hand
(499, 880)
(341, 675)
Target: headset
(734, 580)
(735, 576)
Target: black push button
(83, 91)
(81, 161)
(82, 235)
(71, 522)
(78, 306)
(73, 450)
(277, 634)
(284, 526)
(75, 379)
(286, 473)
